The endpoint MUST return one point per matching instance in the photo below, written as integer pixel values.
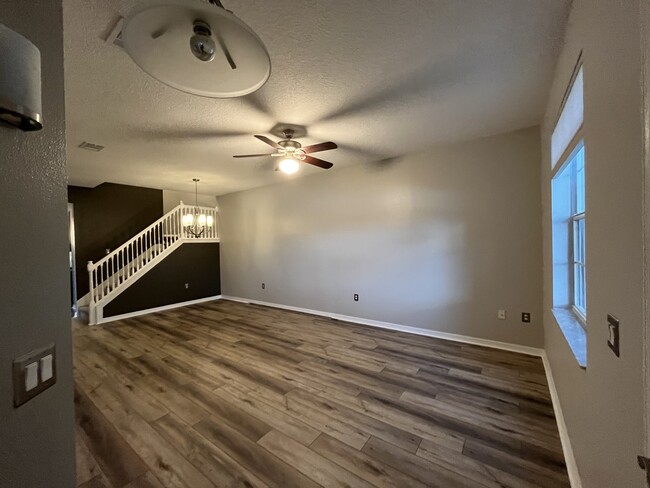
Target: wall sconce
(20, 81)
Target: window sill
(574, 334)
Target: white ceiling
(379, 77)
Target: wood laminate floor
(229, 394)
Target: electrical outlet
(263, 286)
(501, 314)
(613, 337)
(525, 317)
(187, 286)
(356, 297)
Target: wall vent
(88, 146)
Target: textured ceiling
(379, 77)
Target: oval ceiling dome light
(197, 47)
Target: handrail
(181, 206)
(111, 272)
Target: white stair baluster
(111, 274)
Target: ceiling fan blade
(317, 162)
(250, 155)
(323, 146)
(268, 141)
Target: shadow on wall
(440, 240)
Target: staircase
(118, 270)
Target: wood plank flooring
(227, 394)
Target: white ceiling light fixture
(289, 166)
(197, 47)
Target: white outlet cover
(501, 314)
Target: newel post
(181, 214)
(91, 286)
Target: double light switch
(33, 373)
(32, 376)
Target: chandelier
(196, 223)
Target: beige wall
(172, 199)
(36, 439)
(439, 240)
(603, 405)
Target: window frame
(582, 314)
(576, 144)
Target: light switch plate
(613, 338)
(28, 366)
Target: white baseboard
(569, 458)
(158, 309)
(531, 351)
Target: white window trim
(580, 314)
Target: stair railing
(111, 273)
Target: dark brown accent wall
(195, 264)
(107, 216)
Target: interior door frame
(645, 86)
(73, 268)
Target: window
(568, 205)
(575, 167)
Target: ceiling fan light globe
(289, 166)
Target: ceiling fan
(293, 152)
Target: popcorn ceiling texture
(379, 77)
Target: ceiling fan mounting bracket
(299, 131)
